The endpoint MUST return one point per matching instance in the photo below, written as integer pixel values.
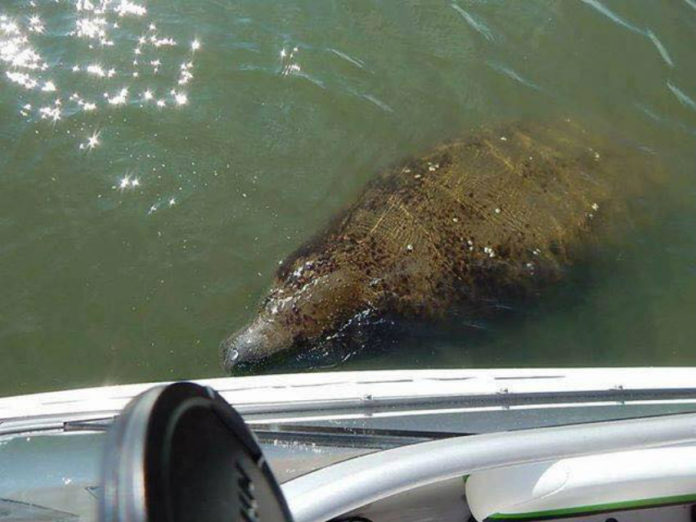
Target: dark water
(157, 160)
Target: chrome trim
(338, 489)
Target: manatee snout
(228, 354)
(308, 302)
(232, 348)
(259, 340)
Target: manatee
(476, 221)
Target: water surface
(158, 159)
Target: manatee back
(495, 211)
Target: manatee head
(312, 298)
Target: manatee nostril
(229, 354)
(229, 358)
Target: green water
(157, 162)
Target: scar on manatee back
(472, 222)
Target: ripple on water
(683, 98)
(476, 24)
(647, 32)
